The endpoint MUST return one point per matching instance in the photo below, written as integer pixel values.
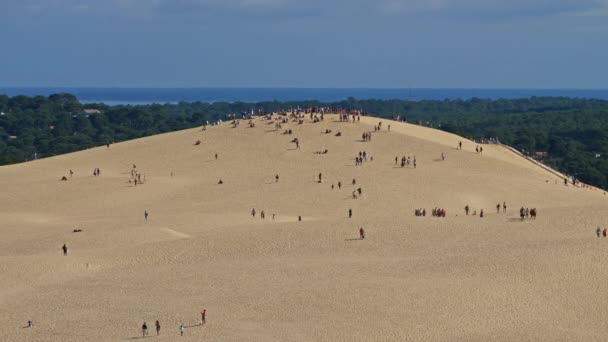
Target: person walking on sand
(339, 185)
(350, 213)
(181, 329)
(216, 156)
(146, 215)
(598, 231)
(320, 177)
(498, 208)
(361, 233)
(466, 209)
(481, 213)
(604, 232)
(504, 207)
(253, 212)
(65, 249)
(157, 328)
(204, 316)
(276, 178)
(144, 330)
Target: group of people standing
(406, 161)
(362, 157)
(527, 213)
(182, 327)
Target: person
(157, 327)
(65, 249)
(181, 329)
(144, 329)
(339, 185)
(481, 213)
(460, 145)
(30, 324)
(320, 177)
(350, 213)
(146, 215)
(361, 233)
(220, 182)
(253, 212)
(354, 181)
(71, 173)
(498, 208)
(598, 232)
(216, 156)
(262, 215)
(276, 178)
(204, 316)
(604, 232)
(504, 207)
(466, 209)
(299, 218)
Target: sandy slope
(461, 278)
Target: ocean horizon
(142, 96)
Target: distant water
(115, 96)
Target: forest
(570, 134)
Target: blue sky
(312, 43)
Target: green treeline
(573, 132)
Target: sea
(141, 96)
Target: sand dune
(458, 278)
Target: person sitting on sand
(220, 182)
(64, 178)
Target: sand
(459, 278)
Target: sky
(305, 43)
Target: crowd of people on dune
(435, 212)
(362, 157)
(406, 161)
(525, 213)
